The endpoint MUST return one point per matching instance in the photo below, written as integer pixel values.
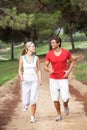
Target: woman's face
(32, 48)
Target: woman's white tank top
(29, 69)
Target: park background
(39, 20)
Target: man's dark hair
(57, 39)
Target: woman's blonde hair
(27, 45)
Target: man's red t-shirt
(59, 63)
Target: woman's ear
(26, 50)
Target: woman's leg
(26, 93)
(33, 100)
(33, 109)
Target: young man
(61, 63)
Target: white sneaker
(66, 111)
(32, 120)
(25, 108)
(59, 118)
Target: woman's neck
(29, 53)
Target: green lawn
(80, 71)
(80, 45)
(8, 70)
(42, 49)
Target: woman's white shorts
(29, 92)
(59, 87)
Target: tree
(16, 22)
(82, 19)
(46, 24)
(48, 16)
(73, 16)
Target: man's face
(54, 44)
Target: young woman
(30, 75)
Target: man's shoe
(59, 118)
(66, 111)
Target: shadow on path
(10, 105)
(79, 97)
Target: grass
(81, 71)
(7, 53)
(42, 49)
(8, 70)
(80, 45)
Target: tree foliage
(38, 19)
(16, 21)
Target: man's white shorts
(59, 87)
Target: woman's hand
(40, 82)
(21, 78)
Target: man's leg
(66, 108)
(55, 94)
(65, 94)
(65, 104)
(57, 106)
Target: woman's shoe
(32, 120)
(25, 108)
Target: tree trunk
(12, 50)
(12, 44)
(85, 33)
(71, 36)
(32, 34)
